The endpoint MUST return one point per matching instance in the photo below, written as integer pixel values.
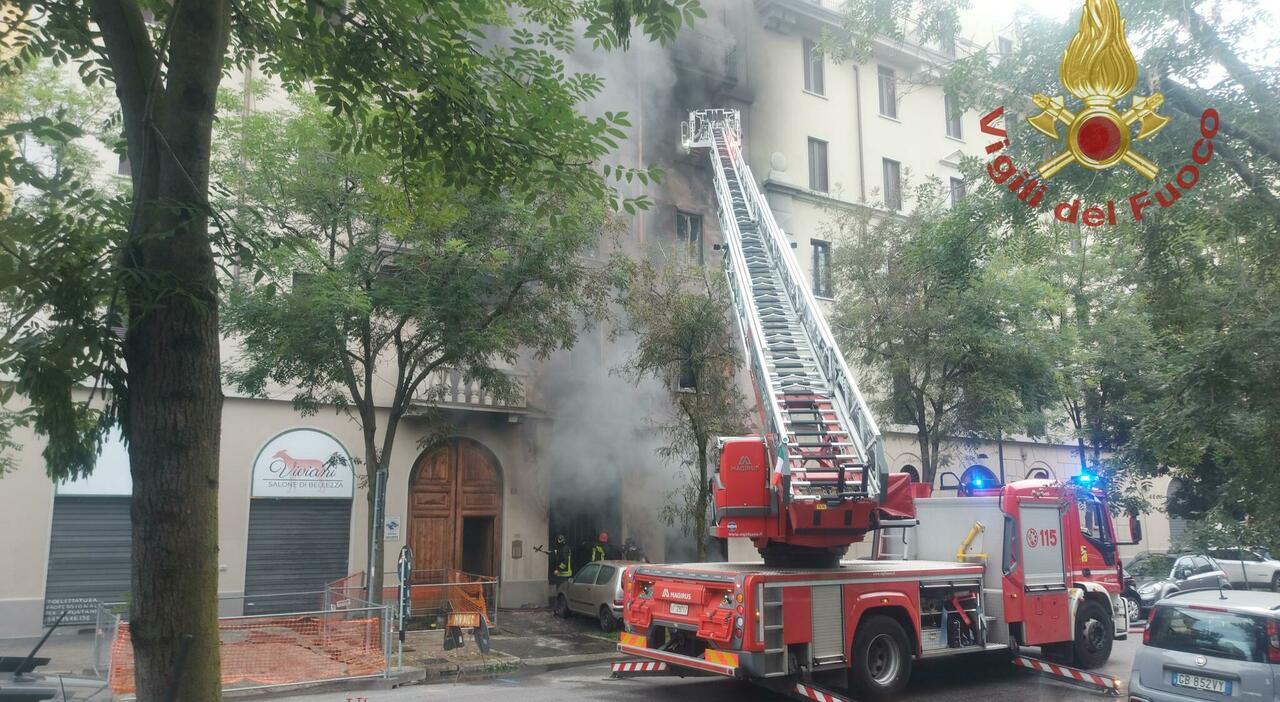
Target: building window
(689, 238)
(892, 184)
(821, 267)
(1004, 46)
(888, 91)
(951, 105)
(813, 69)
(818, 165)
(957, 190)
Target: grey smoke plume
(603, 444)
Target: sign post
(375, 534)
(404, 569)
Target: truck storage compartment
(950, 616)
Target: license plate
(1197, 682)
(679, 608)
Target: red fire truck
(1032, 563)
(993, 567)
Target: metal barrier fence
(106, 624)
(433, 593)
(262, 650)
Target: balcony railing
(448, 387)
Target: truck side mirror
(1135, 532)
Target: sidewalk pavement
(523, 639)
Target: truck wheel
(1092, 645)
(562, 607)
(881, 661)
(607, 621)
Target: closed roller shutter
(295, 546)
(88, 556)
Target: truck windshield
(1209, 632)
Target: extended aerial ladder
(823, 466)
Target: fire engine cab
(988, 567)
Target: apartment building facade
(575, 454)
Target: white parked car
(1254, 567)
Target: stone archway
(455, 508)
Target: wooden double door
(455, 508)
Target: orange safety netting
(278, 651)
(467, 596)
(461, 592)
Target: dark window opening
(814, 75)
(888, 82)
(892, 184)
(821, 267)
(818, 165)
(911, 471)
(951, 105)
(957, 190)
(689, 238)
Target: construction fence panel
(270, 650)
(433, 594)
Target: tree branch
(1253, 85)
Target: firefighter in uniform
(631, 551)
(561, 559)
(598, 551)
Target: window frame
(952, 115)
(816, 245)
(815, 73)
(882, 73)
(605, 570)
(578, 576)
(954, 181)
(1004, 46)
(684, 242)
(896, 204)
(825, 171)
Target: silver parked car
(1249, 568)
(1159, 575)
(1209, 645)
(596, 591)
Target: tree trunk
(700, 519)
(173, 401)
(372, 464)
(928, 470)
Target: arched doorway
(455, 508)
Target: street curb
(398, 677)
(558, 662)
(491, 666)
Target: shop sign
(303, 463)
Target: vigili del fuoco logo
(1098, 68)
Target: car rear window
(1239, 637)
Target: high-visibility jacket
(597, 553)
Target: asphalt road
(964, 679)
